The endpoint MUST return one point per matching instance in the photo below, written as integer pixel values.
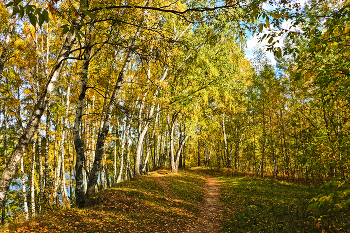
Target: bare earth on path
(209, 221)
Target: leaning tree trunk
(32, 125)
(100, 144)
(178, 153)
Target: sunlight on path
(209, 220)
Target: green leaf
(46, 15)
(78, 36)
(41, 19)
(9, 4)
(278, 52)
(29, 8)
(88, 13)
(32, 19)
(21, 11)
(15, 11)
(312, 206)
(37, 11)
(65, 29)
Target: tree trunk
(5, 45)
(41, 172)
(178, 152)
(227, 151)
(145, 128)
(128, 163)
(173, 160)
(78, 142)
(10, 169)
(47, 149)
(199, 155)
(32, 182)
(3, 206)
(24, 192)
(60, 160)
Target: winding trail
(209, 221)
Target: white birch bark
(41, 172)
(178, 153)
(32, 182)
(123, 142)
(34, 120)
(138, 158)
(24, 192)
(80, 178)
(60, 160)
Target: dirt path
(209, 220)
(159, 177)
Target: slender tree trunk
(178, 152)
(171, 139)
(143, 133)
(227, 151)
(3, 206)
(47, 149)
(115, 158)
(24, 192)
(128, 163)
(123, 142)
(147, 158)
(32, 182)
(33, 122)
(60, 160)
(6, 45)
(263, 145)
(199, 155)
(78, 142)
(41, 172)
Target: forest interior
(151, 116)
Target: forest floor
(196, 200)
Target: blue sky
(253, 41)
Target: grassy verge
(264, 205)
(140, 205)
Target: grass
(264, 205)
(140, 205)
(165, 202)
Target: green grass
(264, 205)
(162, 202)
(140, 205)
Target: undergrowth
(255, 204)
